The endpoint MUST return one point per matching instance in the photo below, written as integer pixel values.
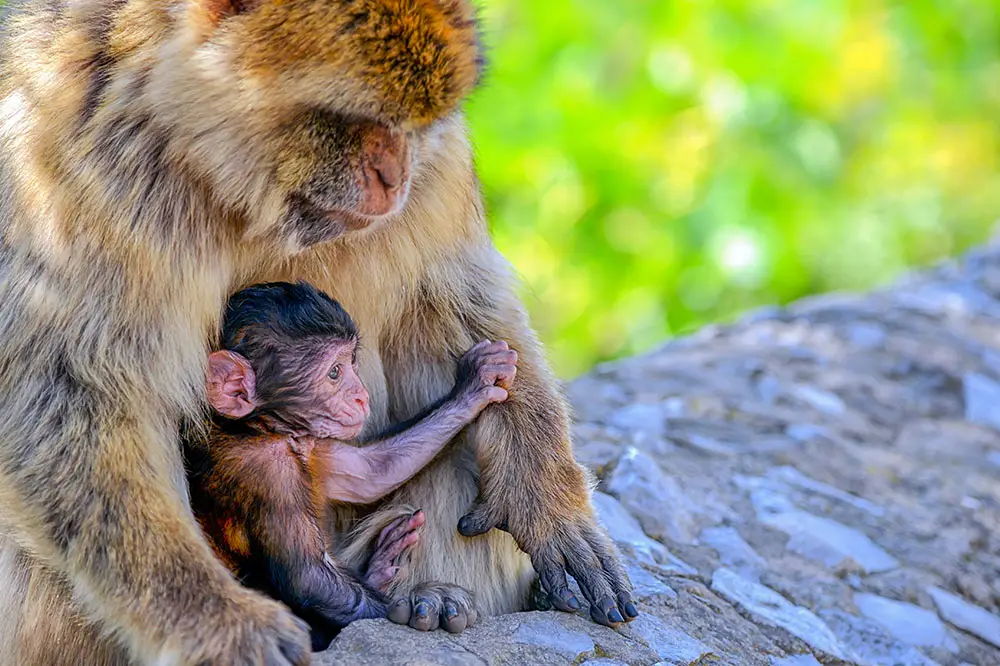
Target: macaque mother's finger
(583, 563)
(552, 575)
(613, 571)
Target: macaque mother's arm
(530, 485)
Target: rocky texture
(814, 484)
(967, 616)
(768, 607)
(912, 625)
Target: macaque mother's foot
(433, 605)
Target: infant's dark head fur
(278, 326)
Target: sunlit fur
(147, 148)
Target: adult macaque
(288, 404)
(156, 155)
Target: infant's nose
(361, 400)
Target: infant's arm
(366, 473)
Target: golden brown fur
(148, 150)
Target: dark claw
(472, 525)
(565, 601)
(425, 617)
(605, 612)
(630, 612)
(465, 526)
(552, 578)
(559, 601)
(453, 622)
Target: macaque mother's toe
(399, 611)
(435, 605)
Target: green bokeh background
(655, 165)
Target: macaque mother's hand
(485, 373)
(575, 545)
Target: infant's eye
(335, 372)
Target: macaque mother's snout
(383, 174)
(357, 172)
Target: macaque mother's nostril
(389, 170)
(384, 171)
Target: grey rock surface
(870, 644)
(734, 552)
(548, 633)
(646, 586)
(818, 483)
(910, 624)
(770, 607)
(625, 531)
(982, 395)
(967, 616)
(644, 490)
(669, 643)
(819, 538)
(795, 660)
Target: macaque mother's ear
(231, 384)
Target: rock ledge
(815, 484)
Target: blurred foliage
(654, 165)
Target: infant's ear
(231, 384)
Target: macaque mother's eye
(335, 372)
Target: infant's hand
(485, 373)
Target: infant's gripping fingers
(388, 560)
(496, 370)
(489, 352)
(400, 526)
(499, 374)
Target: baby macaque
(288, 408)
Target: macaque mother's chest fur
(411, 336)
(405, 357)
